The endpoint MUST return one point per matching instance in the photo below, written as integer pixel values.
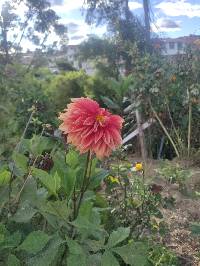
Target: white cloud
(67, 6)
(135, 5)
(179, 8)
(165, 25)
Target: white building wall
(88, 66)
(169, 50)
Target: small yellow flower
(138, 166)
(113, 179)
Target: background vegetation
(120, 220)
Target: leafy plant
(175, 174)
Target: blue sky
(170, 18)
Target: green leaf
(34, 242)
(47, 256)
(24, 213)
(73, 259)
(74, 247)
(20, 164)
(108, 259)
(52, 183)
(76, 254)
(118, 236)
(59, 164)
(88, 221)
(195, 228)
(4, 177)
(13, 260)
(134, 254)
(68, 182)
(11, 241)
(36, 197)
(109, 103)
(94, 259)
(97, 179)
(72, 159)
(57, 208)
(94, 245)
(38, 144)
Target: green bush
(65, 86)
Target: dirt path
(179, 238)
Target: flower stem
(85, 182)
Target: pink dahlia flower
(91, 128)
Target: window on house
(180, 45)
(171, 45)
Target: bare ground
(185, 211)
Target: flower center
(100, 118)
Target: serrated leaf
(34, 242)
(20, 164)
(76, 254)
(94, 245)
(59, 164)
(47, 256)
(4, 177)
(74, 247)
(88, 214)
(36, 197)
(57, 208)
(13, 260)
(73, 259)
(88, 221)
(118, 236)
(68, 181)
(72, 159)
(134, 254)
(39, 144)
(52, 183)
(24, 213)
(97, 179)
(108, 259)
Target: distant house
(69, 54)
(175, 46)
(72, 52)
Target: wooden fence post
(141, 137)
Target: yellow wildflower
(138, 166)
(113, 179)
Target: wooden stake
(141, 137)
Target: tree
(36, 24)
(8, 20)
(101, 11)
(105, 54)
(125, 29)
